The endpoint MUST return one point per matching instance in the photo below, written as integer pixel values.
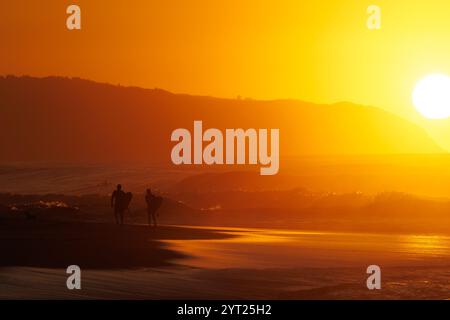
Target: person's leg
(121, 216)
(154, 219)
(116, 215)
(149, 218)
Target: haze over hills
(78, 121)
(70, 120)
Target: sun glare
(431, 96)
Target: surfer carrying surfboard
(120, 202)
(153, 204)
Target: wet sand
(184, 283)
(135, 262)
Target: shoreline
(51, 244)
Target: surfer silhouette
(153, 204)
(120, 202)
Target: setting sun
(202, 153)
(431, 96)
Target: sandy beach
(138, 262)
(48, 244)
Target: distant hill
(70, 120)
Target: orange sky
(315, 51)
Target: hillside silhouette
(63, 119)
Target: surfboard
(127, 200)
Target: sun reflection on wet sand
(265, 248)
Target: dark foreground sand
(90, 245)
(183, 283)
